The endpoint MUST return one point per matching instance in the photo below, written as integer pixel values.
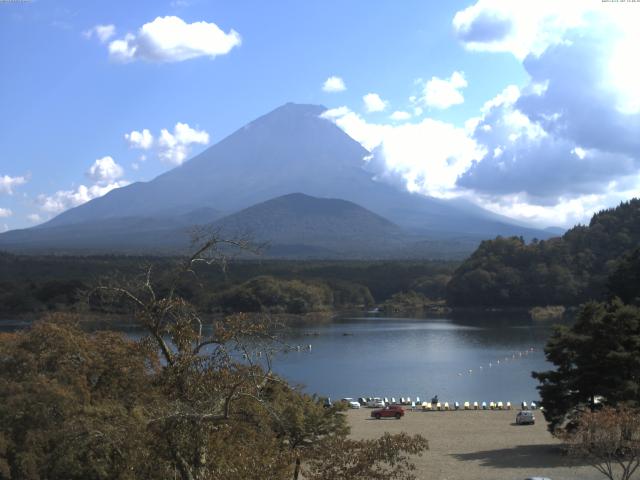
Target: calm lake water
(476, 359)
(486, 357)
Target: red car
(395, 411)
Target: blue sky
(478, 85)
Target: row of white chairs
(456, 405)
(399, 401)
(476, 406)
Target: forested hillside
(565, 270)
(34, 284)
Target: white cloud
(520, 28)
(564, 212)
(530, 28)
(334, 84)
(171, 39)
(579, 152)
(4, 228)
(373, 103)
(34, 218)
(105, 170)
(565, 145)
(444, 92)
(399, 115)
(174, 148)
(102, 32)
(369, 135)
(142, 140)
(5, 212)
(7, 183)
(64, 199)
(426, 156)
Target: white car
(376, 402)
(525, 417)
(351, 402)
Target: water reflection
(461, 359)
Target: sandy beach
(478, 445)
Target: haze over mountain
(289, 150)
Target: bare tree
(609, 439)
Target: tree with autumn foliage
(609, 439)
(192, 398)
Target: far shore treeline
(36, 284)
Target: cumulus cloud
(520, 28)
(174, 148)
(563, 140)
(565, 144)
(105, 171)
(171, 39)
(334, 84)
(7, 183)
(373, 103)
(5, 212)
(102, 32)
(64, 199)
(444, 92)
(400, 115)
(426, 156)
(142, 140)
(34, 218)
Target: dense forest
(36, 284)
(568, 270)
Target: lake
(480, 357)
(486, 358)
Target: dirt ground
(478, 445)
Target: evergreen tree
(599, 356)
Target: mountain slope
(288, 150)
(294, 225)
(291, 149)
(297, 221)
